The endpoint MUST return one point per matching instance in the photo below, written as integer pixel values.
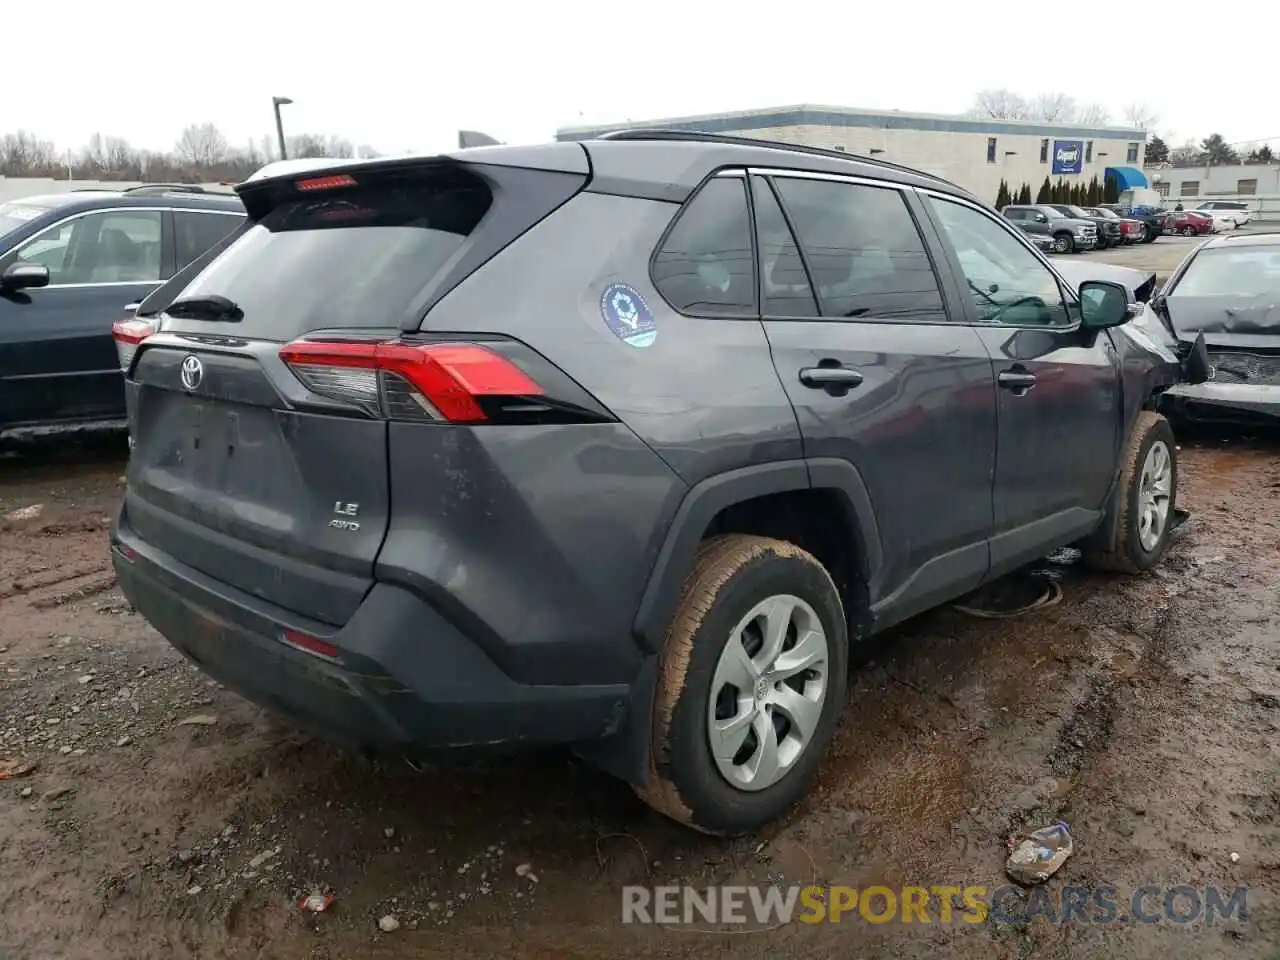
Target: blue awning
(1127, 177)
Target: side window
(1015, 214)
(1008, 283)
(194, 233)
(120, 246)
(863, 251)
(705, 265)
(787, 292)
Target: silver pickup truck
(1067, 233)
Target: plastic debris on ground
(317, 902)
(12, 769)
(1013, 596)
(1040, 854)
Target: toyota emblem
(192, 371)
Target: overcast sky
(402, 75)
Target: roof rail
(660, 133)
(150, 189)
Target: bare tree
(1093, 115)
(1053, 108)
(1188, 153)
(23, 154)
(999, 105)
(1140, 116)
(317, 145)
(201, 145)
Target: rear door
(57, 358)
(1060, 409)
(265, 468)
(867, 344)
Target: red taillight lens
(405, 381)
(326, 183)
(127, 335)
(310, 644)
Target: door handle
(1017, 381)
(820, 378)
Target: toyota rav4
(621, 444)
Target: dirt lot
(1143, 711)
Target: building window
(1044, 150)
(1088, 151)
(1132, 155)
(1162, 189)
(1190, 188)
(1246, 188)
(991, 149)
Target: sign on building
(1068, 156)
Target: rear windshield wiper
(211, 307)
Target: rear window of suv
(354, 257)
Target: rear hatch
(263, 378)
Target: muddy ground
(1143, 711)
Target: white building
(973, 153)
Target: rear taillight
(128, 334)
(453, 382)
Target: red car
(1188, 223)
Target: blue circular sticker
(627, 315)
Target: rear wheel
(1063, 243)
(751, 683)
(1148, 488)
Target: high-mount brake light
(128, 334)
(326, 182)
(407, 381)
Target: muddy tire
(743, 589)
(1148, 487)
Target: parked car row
(1069, 228)
(72, 263)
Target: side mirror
(1103, 304)
(131, 308)
(1041, 218)
(24, 276)
(1196, 367)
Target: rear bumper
(405, 681)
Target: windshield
(1108, 214)
(1237, 273)
(15, 214)
(1079, 212)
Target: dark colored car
(1154, 218)
(619, 444)
(71, 264)
(1109, 231)
(1225, 291)
(1131, 230)
(1189, 223)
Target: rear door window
(864, 253)
(196, 232)
(355, 257)
(787, 291)
(705, 266)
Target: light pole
(277, 103)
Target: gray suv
(619, 444)
(1068, 234)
